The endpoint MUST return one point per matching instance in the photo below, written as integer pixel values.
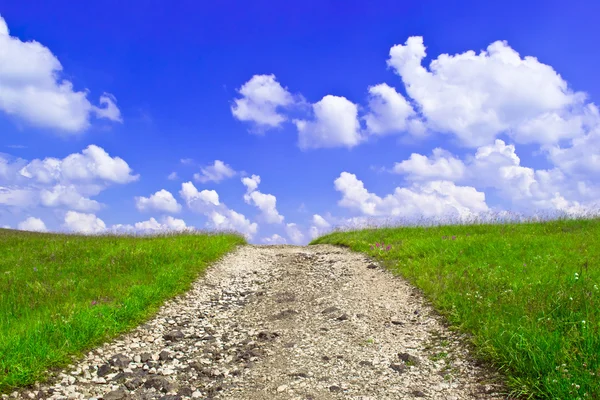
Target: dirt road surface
(284, 322)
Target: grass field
(528, 293)
(60, 295)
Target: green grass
(527, 293)
(61, 295)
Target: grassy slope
(528, 293)
(60, 295)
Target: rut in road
(284, 322)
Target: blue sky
(283, 120)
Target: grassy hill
(61, 295)
(528, 293)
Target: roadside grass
(528, 294)
(61, 295)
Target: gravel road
(284, 322)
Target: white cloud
(111, 111)
(262, 95)
(478, 96)
(84, 223)
(335, 125)
(216, 172)
(162, 200)
(320, 226)
(274, 239)
(294, 233)
(389, 111)
(68, 182)
(168, 224)
(428, 199)
(266, 203)
(17, 197)
(320, 222)
(172, 176)
(231, 220)
(192, 196)
(582, 158)
(32, 90)
(251, 183)
(441, 166)
(67, 196)
(93, 163)
(497, 166)
(32, 224)
(220, 217)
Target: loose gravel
(284, 322)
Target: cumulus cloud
(153, 226)
(168, 224)
(219, 215)
(31, 88)
(68, 182)
(110, 111)
(274, 239)
(17, 197)
(262, 96)
(581, 159)
(93, 163)
(266, 203)
(193, 197)
(442, 165)
(67, 196)
(251, 183)
(320, 225)
(428, 199)
(83, 223)
(32, 224)
(389, 112)
(497, 166)
(294, 233)
(216, 172)
(228, 219)
(478, 96)
(320, 222)
(335, 124)
(162, 200)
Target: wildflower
(453, 237)
(377, 244)
(372, 248)
(94, 302)
(576, 276)
(388, 247)
(524, 264)
(34, 269)
(583, 322)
